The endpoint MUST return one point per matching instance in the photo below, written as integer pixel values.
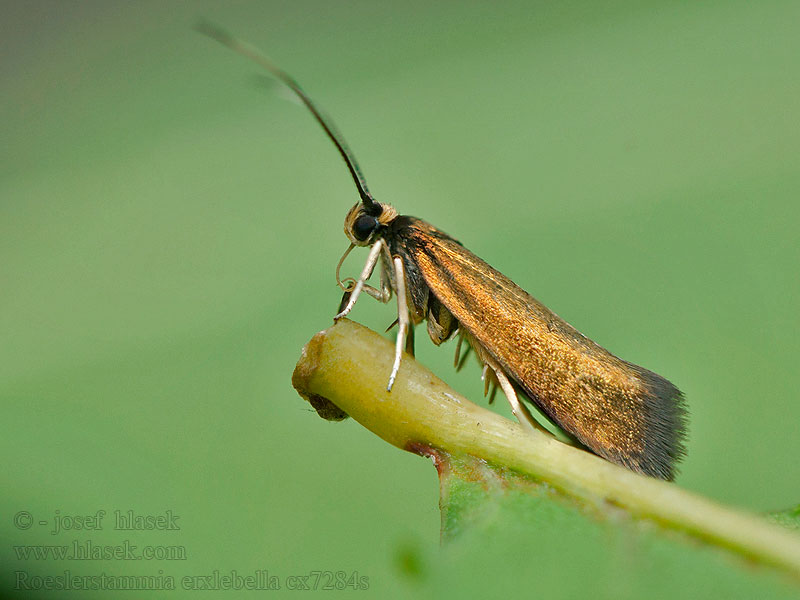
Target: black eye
(364, 226)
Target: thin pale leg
(402, 318)
(381, 295)
(372, 259)
(384, 294)
(409, 337)
(518, 408)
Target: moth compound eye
(364, 226)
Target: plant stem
(347, 366)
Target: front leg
(384, 294)
(372, 259)
(381, 295)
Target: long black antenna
(253, 54)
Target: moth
(616, 409)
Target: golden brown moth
(618, 410)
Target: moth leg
(410, 340)
(379, 295)
(486, 379)
(345, 299)
(518, 408)
(409, 337)
(461, 359)
(372, 259)
(348, 284)
(402, 318)
(458, 350)
(384, 294)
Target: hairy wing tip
(666, 420)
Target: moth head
(364, 221)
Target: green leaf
(502, 526)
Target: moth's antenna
(253, 54)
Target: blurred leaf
(494, 519)
(789, 518)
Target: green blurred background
(169, 228)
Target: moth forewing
(620, 411)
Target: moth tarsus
(618, 410)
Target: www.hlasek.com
(215, 581)
(88, 550)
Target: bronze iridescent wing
(623, 412)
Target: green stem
(347, 366)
